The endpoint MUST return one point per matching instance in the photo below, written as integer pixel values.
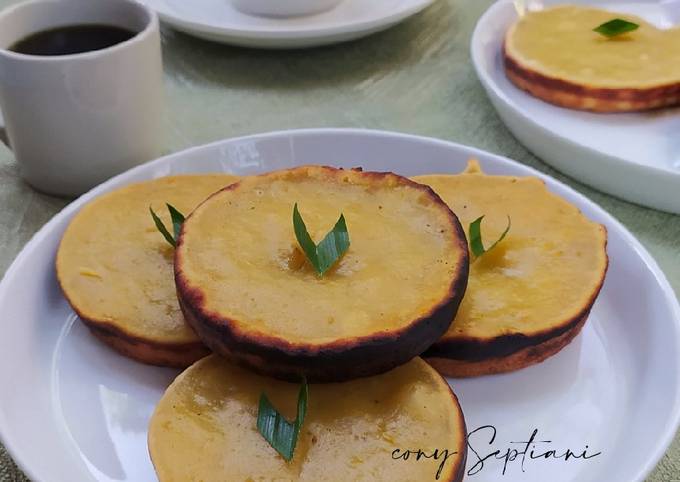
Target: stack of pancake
(239, 284)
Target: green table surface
(415, 78)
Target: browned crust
(523, 358)
(502, 353)
(145, 350)
(166, 355)
(576, 96)
(330, 362)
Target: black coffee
(72, 40)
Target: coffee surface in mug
(72, 39)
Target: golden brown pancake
(204, 428)
(529, 296)
(555, 55)
(115, 269)
(252, 297)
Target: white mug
(75, 120)
(284, 8)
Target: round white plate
(73, 410)
(219, 21)
(632, 156)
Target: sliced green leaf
(475, 234)
(177, 220)
(331, 248)
(303, 237)
(616, 27)
(281, 434)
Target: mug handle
(3, 132)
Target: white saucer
(74, 410)
(632, 156)
(219, 21)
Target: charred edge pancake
(285, 332)
(531, 295)
(115, 269)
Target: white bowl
(284, 8)
(634, 156)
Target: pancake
(529, 296)
(204, 427)
(555, 55)
(252, 296)
(115, 269)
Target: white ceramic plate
(219, 21)
(632, 156)
(73, 410)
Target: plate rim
(492, 88)
(20, 458)
(268, 34)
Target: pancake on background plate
(555, 55)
